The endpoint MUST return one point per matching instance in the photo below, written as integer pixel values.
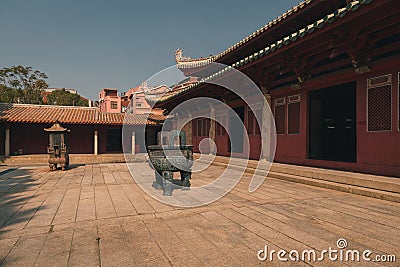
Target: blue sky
(92, 44)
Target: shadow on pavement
(17, 187)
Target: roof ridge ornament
(188, 62)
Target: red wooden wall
(29, 138)
(377, 152)
(222, 139)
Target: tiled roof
(157, 118)
(186, 62)
(351, 7)
(167, 95)
(26, 113)
(271, 24)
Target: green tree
(8, 95)
(19, 84)
(63, 97)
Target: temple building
(91, 131)
(330, 73)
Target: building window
(250, 122)
(379, 103)
(194, 128)
(253, 127)
(138, 105)
(398, 99)
(114, 105)
(199, 127)
(294, 114)
(203, 127)
(257, 125)
(220, 130)
(206, 126)
(280, 115)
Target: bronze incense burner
(167, 159)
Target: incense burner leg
(52, 167)
(168, 186)
(185, 180)
(158, 183)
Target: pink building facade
(109, 101)
(137, 98)
(134, 99)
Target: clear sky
(92, 44)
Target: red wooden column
(211, 133)
(266, 129)
(7, 142)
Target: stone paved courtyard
(96, 215)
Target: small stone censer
(57, 148)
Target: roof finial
(178, 54)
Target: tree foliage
(19, 84)
(63, 97)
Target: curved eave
(271, 24)
(350, 8)
(194, 63)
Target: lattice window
(218, 128)
(252, 125)
(250, 120)
(194, 128)
(221, 120)
(224, 119)
(206, 127)
(257, 124)
(379, 106)
(294, 114)
(199, 127)
(203, 127)
(280, 116)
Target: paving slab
(97, 215)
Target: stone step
(74, 159)
(384, 183)
(357, 190)
(382, 187)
